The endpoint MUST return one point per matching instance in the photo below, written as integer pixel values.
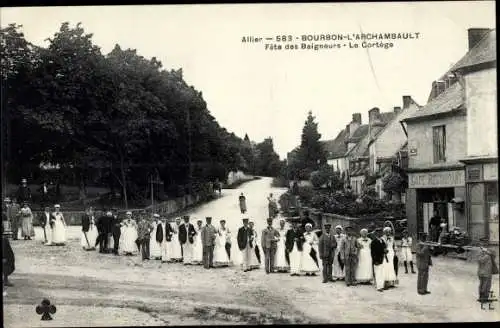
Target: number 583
(284, 38)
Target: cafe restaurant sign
(436, 179)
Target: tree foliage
(120, 113)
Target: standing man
(269, 244)
(116, 229)
(434, 226)
(486, 269)
(186, 238)
(208, 240)
(144, 234)
(350, 255)
(243, 203)
(326, 247)
(86, 219)
(243, 237)
(423, 262)
(103, 225)
(227, 241)
(24, 192)
(44, 220)
(272, 206)
(44, 191)
(378, 251)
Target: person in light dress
(129, 236)
(364, 271)
(280, 262)
(59, 227)
(89, 231)
(198, 244)
(174, 249)
(308, 262)
(221, 256)
(294, 246)
(254, 261)
(27, 230)
(390, 277)
(338, 265)
(164, 236)
(154, 245)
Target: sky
(268, 93)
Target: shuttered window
(439, 143)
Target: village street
(92, 289)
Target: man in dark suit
(87, 217)
(116, 229)
(186, 238)
(103, 227)
(208, 234)
(44, 221)
(243, 244)
(378, 249)
(326, 247)
(269, 243)
(423, 262)
(23, 193)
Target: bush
(280, 182)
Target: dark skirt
(8, 254)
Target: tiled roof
(337, 147)
(360, 132)
(387, 117)
(483, 52)
(361, 148)
(448, 101)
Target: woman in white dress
(364, 271)
(27, 230)
(91, 235)
(129, 236)
(198, 246)
(59, 227)
(254, 262)
(307, 264)
(389, 272)
(294, 242)
(338, 267)
(280, 263)
(221, 259)
(155, 246)
(174, 249)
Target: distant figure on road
(23, 193)
(208, 235)
(270, 238)
(243, 203)
(272, 206)
(486, 269)
(434, 226)
(44, 192)
(59, 227)
(423, 262)
(244, 244)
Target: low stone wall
(165, 208)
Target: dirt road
(92, 289)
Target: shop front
(482, 199)
(440, 191)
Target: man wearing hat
(326, 247)
(24, 192)
(208, 234)
(116, 229)
(424, 260)
(186, 238)
(378, 250)
(13, 215)
(144, 235)
(243, 237)
(486, 269)
(350, 254)
(269, 244)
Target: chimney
(441, 86)
(397, 110)
(347, 133)
(356, 117)
(373, 115)
(475, 35)
(407, 101)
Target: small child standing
(406, 255)
(486, 269)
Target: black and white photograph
(249, 164)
